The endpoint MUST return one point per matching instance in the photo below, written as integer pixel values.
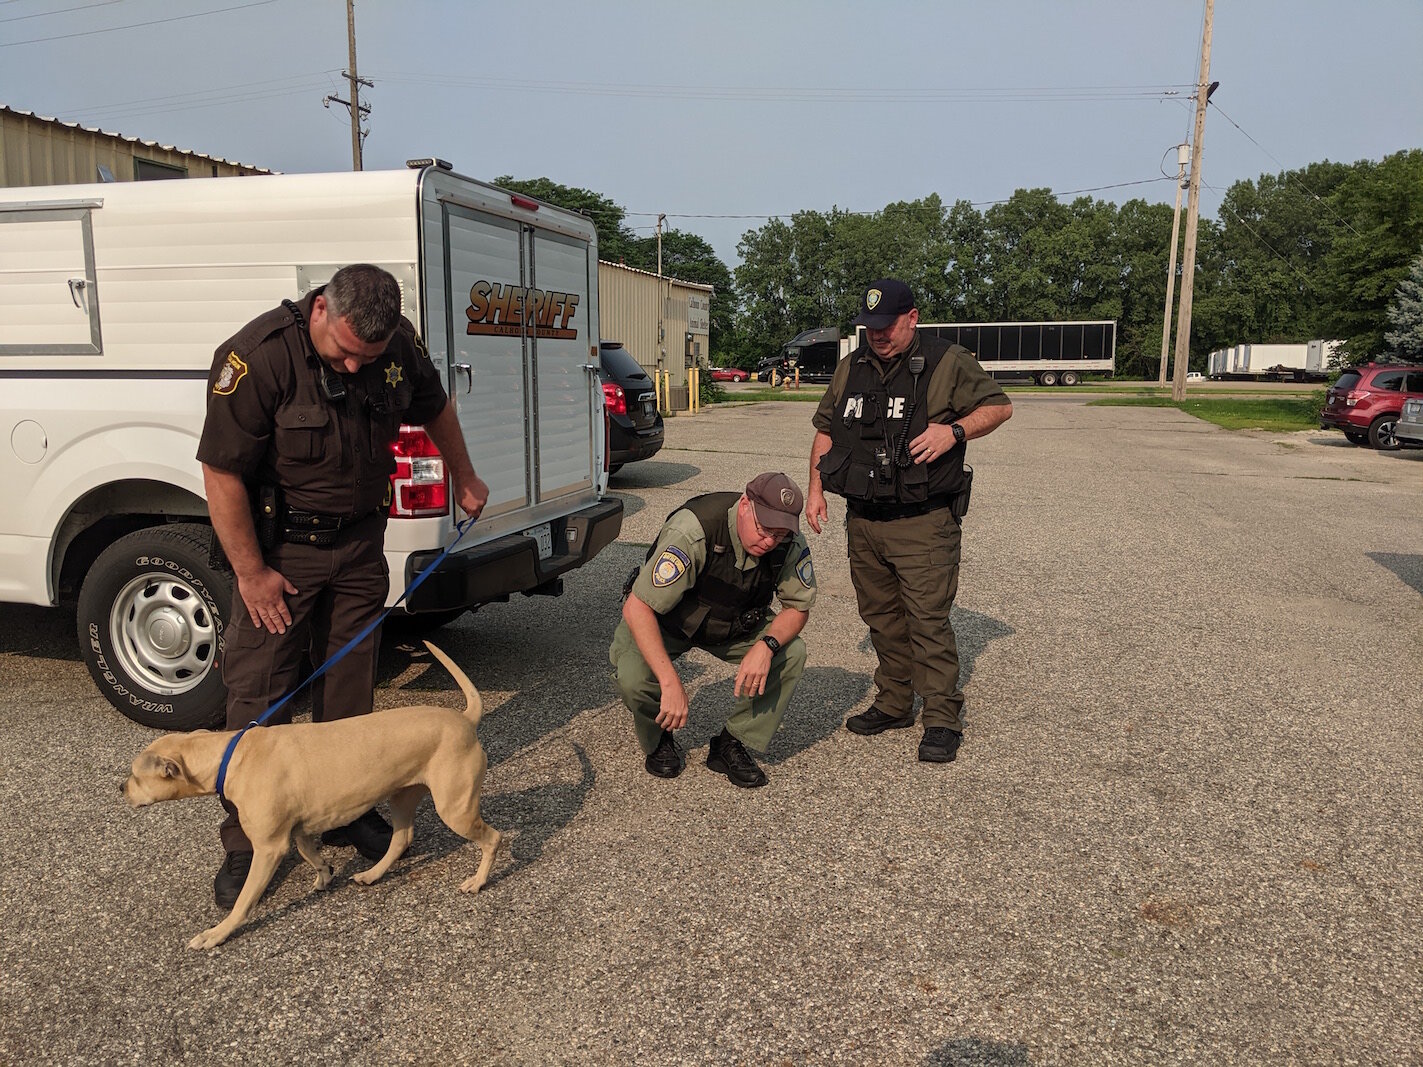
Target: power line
(294, 83)
(1304, 278)
(61, 11)
(136, 25)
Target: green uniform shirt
(682, 552)
(958, 386)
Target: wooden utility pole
(1183, 155)
(353, 105)
(1193, 204)
(660, 220)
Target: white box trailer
(1306, 361)
(112, 299)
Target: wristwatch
(771, 643)
(958, 432)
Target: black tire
(1047, 377)
(1069, 377)
(1356, 437)
(1381, 433)
(152, 611)
(776, 379)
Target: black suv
(634, 425)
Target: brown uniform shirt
(958, 386)
(270, 421)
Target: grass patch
(811, 393)
(1282, 414)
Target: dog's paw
(367, 877)
(210, 938)
(472, 885)
(323, 876)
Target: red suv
(1366, 401)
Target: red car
(1367, 400)
(729, 374)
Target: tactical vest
(726, 603)
(869, 457)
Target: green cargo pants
(906, 573)
(754, 720)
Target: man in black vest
(707, 583)
(889, 437)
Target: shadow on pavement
(652, 474)
(1408, 568)
(38, 632)
(972, 632)
(978, 1052)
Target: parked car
(635, 428)
(1195, 376)
(1367, 400)
(1409, 431)
(729, 374)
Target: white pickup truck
(112, 299)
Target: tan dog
(297, 780)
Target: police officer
(707, 583)
(889, 437)
(304, 404)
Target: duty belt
(311, 528)
(886, 512)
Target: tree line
(1316, 252)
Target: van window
(1348, 380)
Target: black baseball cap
(883, 302)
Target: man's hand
(751, 675)
(816, 511)
(471, 494)
(262, 593)
(936, 440)
(673, 714)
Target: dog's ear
(170, 768)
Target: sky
(720, 114)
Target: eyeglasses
(775, 535)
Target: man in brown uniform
(303, 407)
(889, 437)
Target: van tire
(1381, 433)
(152, 611)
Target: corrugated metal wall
(39, 151)
(634, 305)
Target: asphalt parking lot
(1183, 827)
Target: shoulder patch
(670, 566)
(803, 569)
(233, 371)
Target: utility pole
(1183, 156)
(660, 220)
(1204, 88)
(356, 81)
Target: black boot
(875, 721)
(369, 835)
(940, 745)
(666, 760)
(231, 877)
(727, 756)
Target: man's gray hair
(368, 298)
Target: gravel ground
(1182, 829)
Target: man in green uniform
(707, 583)
(889, 437)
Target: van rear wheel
(152, 611)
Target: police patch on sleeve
(670, 566)
(233, 371)
(803, 569)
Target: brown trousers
(906, 574)
(340, 589)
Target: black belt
(313, 528)
(886, 512)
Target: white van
(112, 299)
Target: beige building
(35, 150)
(663, 322)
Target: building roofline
(663, 277)
(134, 140)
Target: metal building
(662, 321)
(35, 150)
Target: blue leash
(463, 528)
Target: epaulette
(261, 328)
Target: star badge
(393, 375)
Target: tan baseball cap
(776, 500)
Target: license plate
(543, 537)
(649, 408)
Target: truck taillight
(418, 487)
(614, 399)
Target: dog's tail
(473, 704)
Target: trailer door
(49, 305)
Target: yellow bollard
(797, 378)
(694, 390)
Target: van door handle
(469, 388)
(76, 291)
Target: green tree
(614, 238)
(1405, 315)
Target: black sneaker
(727, 756)
(666, 760)
(940, 745)
(875, 721)
(231, 877)
(369, 835)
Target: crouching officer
(304, 404)
(889, 437)
(708, 583)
